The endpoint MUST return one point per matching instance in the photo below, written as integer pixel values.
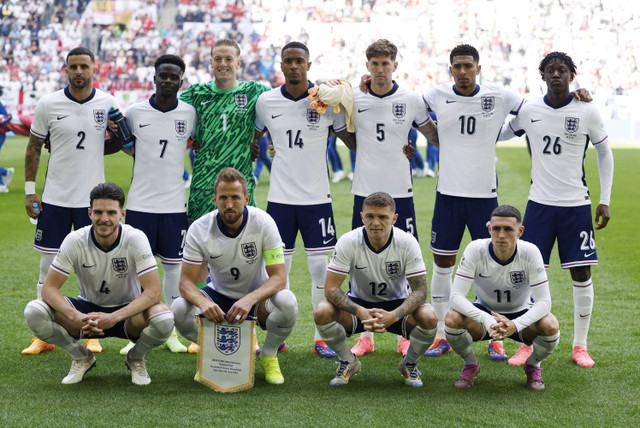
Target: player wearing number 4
(157, 203)
(119, 290)
(299, 194)
(75, 120)
(507, 275)
(243, 251)
(558, 129)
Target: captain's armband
(273, 257)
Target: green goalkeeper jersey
(225, 129)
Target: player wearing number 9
(243, 252)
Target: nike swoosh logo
(450, 101)
(212, 257)
(275, 116)
(326, 241)
(584, 316)
(360, 110)
(363, 267)
(62, 117)
(589, 254)
(85, 266)
(482, 276)
(535, 120)
(144, 126)
(205, 102)
(174, 297)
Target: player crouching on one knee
(245, 258)
(113, 262)
(507, 274)
(388, 289)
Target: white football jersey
(77, 132)
(503, 287)
(299, 173)
(157, 185)
(377, 276)
(559, 138)
(236, 263)
(468, 128)
(106, 277)
(382, 126)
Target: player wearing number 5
(299, 194)
(75, 120)
(559, 129)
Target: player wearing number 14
(558, 129)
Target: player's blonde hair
(230, 175)
(226, 42)
(382, 47)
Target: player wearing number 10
(559, 129)
(226, 115)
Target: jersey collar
(214, 88)
(114, 245)
(245, 217)
(366, 241)
(391, 92)
(546, 101)
(152, 101)
(497, 260)
(288, 96)
(72, 98)
(475, 92)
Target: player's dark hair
(169, 59)
(382, 47)
(226, 42)
(379, 199)
(107, 191)
(294, 45)
(464, 50)
(558, 56)
(81, 50)
(507, 211)
(230, 175)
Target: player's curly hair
(230, 175)
(382, 47)
(507, 211)
(379, 199)
(107, 191)
(294, 45)
(225, 42)
(169, 59)
(81, 50)
(558, 56)
(464, 50)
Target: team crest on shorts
(487, 103)
(100, 115)
(227, 339)
(181, 127)
(249, 250)
(393, 268)
(399, 109)
(241, 100)
(571, 124)
(39, 235)
(517, 277)
(313, 116)
(120, 264)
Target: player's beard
(85, 83)
(231, 218)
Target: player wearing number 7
(299, 195)
(559, 129)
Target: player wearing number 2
(299, 194)
(559, 129)
(75, 120)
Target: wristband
(29, 187)
(126, 146)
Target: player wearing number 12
(559, 129)
(299, 193)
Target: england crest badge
(181, 127)
(100, 115)
(313, 116)
(120, 264)
(227, 339)
(487, 103)
(393, 268)
(249, 250)
(517, 277)
(399, 110)
(571, 124)
(241, 100)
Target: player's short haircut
(169, 59)
(507, 211)
(226, 42)
(230, 175)
(379, 199)
(558, 56)
(81, 50)
(107, 191)
(382, 47)
(294, 45)
(464, 50)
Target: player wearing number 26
(559, 129)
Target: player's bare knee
(324, 313)
(444, 261)
(580, 273)
(156, 309)
(425, 316)
(548, 325)
(454, 319)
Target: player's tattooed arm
(417, 297)
(430, 131)
(341, 301)
(31, 164)
(348, 138)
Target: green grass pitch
(605, 395)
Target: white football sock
(440, 293)
(288, 260)
(45, 262)
(171, 282)
(543, 346)
(420, 341)
(158, 330)
(283, 312)
(460, 341)
(185, 318)
(335, 336)
(582, 308)
(318, 269)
